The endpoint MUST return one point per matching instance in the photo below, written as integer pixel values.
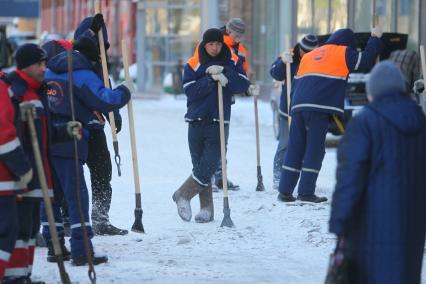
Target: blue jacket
(89, 95)
(320, 92)
(25, 89)
(380, 196)
(202, 91)
(278, 72)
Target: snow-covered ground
(271, 243)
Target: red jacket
(20, 88)
(13, 161)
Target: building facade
(63, 16)
(162, 34)
(164, 42)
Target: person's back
(380, 197)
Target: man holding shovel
(318, 94)
(17, 162)
(89, 95)
(99, 160)
(212, 63)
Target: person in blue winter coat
(90, 95)
(212, 64)
(53, 48)
(99, 159)
(378, 205)
(318, 93)
(278, 72)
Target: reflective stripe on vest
(11, 185)
(327, 61)
(9, 146)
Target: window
(339, 15)
(172, 30)
(408, 21)
(304, 17)
(265, 44)
(363, 19)
(320, 16)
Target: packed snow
(271, 243)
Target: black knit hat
(308, 42)
(212, 35)
(29, 54)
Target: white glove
(377, 32)
(26, 178)
(221, 79)
(419, 86)
(214, 69)
(129, 85)
(286, 57)
(253, 90)
(74, 129)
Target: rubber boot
(82, 260)
(107, 229)
(51, 257)
(183, 197)
(206, 213)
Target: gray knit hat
(308, 42)
(385, 79)
(236, 25)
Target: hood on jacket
(401, 111)
(59, 63)
(344, 37)
(54, 47)
(385, 79)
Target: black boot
(82, 260)
(312, 198)
(106, 229)
(231, 186)
(37, 282)
(51, 257)
(286, 197)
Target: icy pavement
(272, 242)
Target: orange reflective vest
(326, 61)
(241, 51)
(320, 82)
(194, 61)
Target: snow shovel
(423, 64)
(87, 247)
(227, 221)
(117, 157)
(260, 186)
(27, 114)
(137, 225)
